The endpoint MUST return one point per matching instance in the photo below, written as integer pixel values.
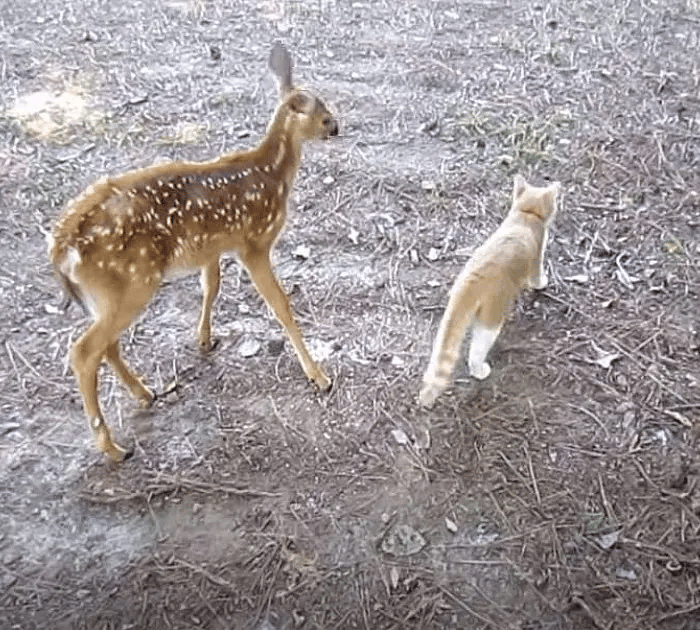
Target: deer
(115, 244)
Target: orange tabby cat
(509, 261)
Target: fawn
(118, 240)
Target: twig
(677, 613)
(469, 610)
(532, 474)
(606, 504)
(203, 572)
(593, 417)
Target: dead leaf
(606, 541)
(400, 436)
(605, 360)
(627, 574)
(451, 525)
(394, 575)
(581, 278)
(679, 418)
(302, 251)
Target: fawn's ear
(281, 66)
(519, 186)
(301, 103)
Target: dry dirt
(561, 493)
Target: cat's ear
(553, 191)
(519, 186)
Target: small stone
(249, 348)
(302, 251)
(400, 436)
(275, 347)
(402, 540)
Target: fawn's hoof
(118, 453)
(146, 399)
(322, 382)
(208, 345)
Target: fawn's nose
(333, 131)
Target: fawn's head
(310, 115)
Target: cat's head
(539, 201)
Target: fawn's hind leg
(257, 262)
(126, 375)
(100, 340)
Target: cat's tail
(461, 307)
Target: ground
(563, 492)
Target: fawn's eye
(326, 120)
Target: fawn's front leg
(210, 281)
(257, 262)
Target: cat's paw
(541, 282)
(480, 370)
(429, 393)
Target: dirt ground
(563, 492)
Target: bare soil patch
(562, 492)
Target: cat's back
(506, 256)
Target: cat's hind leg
(483, 337)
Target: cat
(511, 260)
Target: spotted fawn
(116, 242)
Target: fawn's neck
(280, 149)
